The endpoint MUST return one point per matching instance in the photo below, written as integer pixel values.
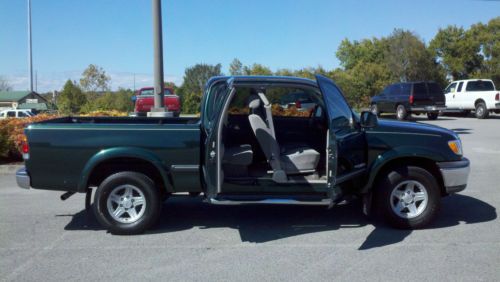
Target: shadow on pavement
(260, 224)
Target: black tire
(142, 183)
(432, 116)
(374, 109)
(401, 113)
(481, 111)
(398, 177)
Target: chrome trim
(324, 202)
(455, 177)
(185, 168)
(428, 108)
(23, 179)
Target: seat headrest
(254, 102)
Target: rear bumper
(427, 108)
(23, 179)
(455, 175)
(497, 105)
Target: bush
(12, 131)
(12, 134)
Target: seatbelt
(278, 174)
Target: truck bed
(64, 151)
(122, 120)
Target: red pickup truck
(144, 101)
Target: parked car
(300, 100)
(144, 101)
(409, 98)
(400, 169)
(478, 95)
(15, 114)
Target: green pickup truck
(248, 148)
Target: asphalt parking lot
(43, 238)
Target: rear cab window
(419, 89)
(480, 85)
(434, 89)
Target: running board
(223, 202)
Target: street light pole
(158, 109)
(29, 47)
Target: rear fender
(122, 152)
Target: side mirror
(368, 119)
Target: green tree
(94, 79)
(458, 51)
(191, 90)
(408, 59)
(236, 67)
(120, 100)
(257, 69)
(4, 84)
(488, 37)
(71, 99)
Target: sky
(68, 35)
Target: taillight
(298, 105)
(25, 148)
(411, 99)
(497, 97)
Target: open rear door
(331, 93)
(214, 115)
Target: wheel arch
(380, 169)
(480, 100)
(109, 161)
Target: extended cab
(478, 95)
(247, 148)
(144, 101)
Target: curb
(9, 169)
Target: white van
(15, 114)
(478, 95)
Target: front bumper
(455, 175)
(427, 109)
(23, 179)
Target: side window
(419, 89)
(292, 102)
(459, 88)
(2, 114)
(215, 98)
(396, 90)
(22, 114)
(479, 85)
(386, 90)
(11, 114)
(451, 87)
(405, 89)
(339, 110)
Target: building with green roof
(23, 100)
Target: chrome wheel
(126, 203)
(409, 199)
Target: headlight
(455, 146)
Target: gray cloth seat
(238, 155)
(293, 160)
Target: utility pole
(158, 110)
(29, 47)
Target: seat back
(263, 132)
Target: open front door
(213, 116)
(331, 93)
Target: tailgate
(428, 94)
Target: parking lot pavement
(43, 238)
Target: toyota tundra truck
(246, 148)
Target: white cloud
(55, 80)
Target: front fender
(121, 152)
(401, 152)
